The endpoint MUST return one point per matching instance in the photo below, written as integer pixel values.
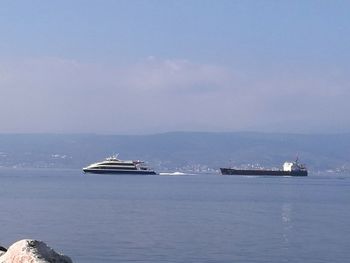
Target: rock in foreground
(33, 251)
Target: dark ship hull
(231, 171)
(110, 171)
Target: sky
(153, 66)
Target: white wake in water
(174, 174)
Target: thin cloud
(153, 95)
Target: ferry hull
(136, 172)
(231, 171)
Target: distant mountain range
(180, 151)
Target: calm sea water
(194, 218)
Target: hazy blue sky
(153, 66)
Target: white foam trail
(175, 173)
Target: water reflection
(287, 224)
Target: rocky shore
(33, 251)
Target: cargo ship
(289, 169)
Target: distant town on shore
(198, 152)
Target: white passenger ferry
(113, 165)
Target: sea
(178, 218)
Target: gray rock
(33, 251)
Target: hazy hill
(177, 150)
